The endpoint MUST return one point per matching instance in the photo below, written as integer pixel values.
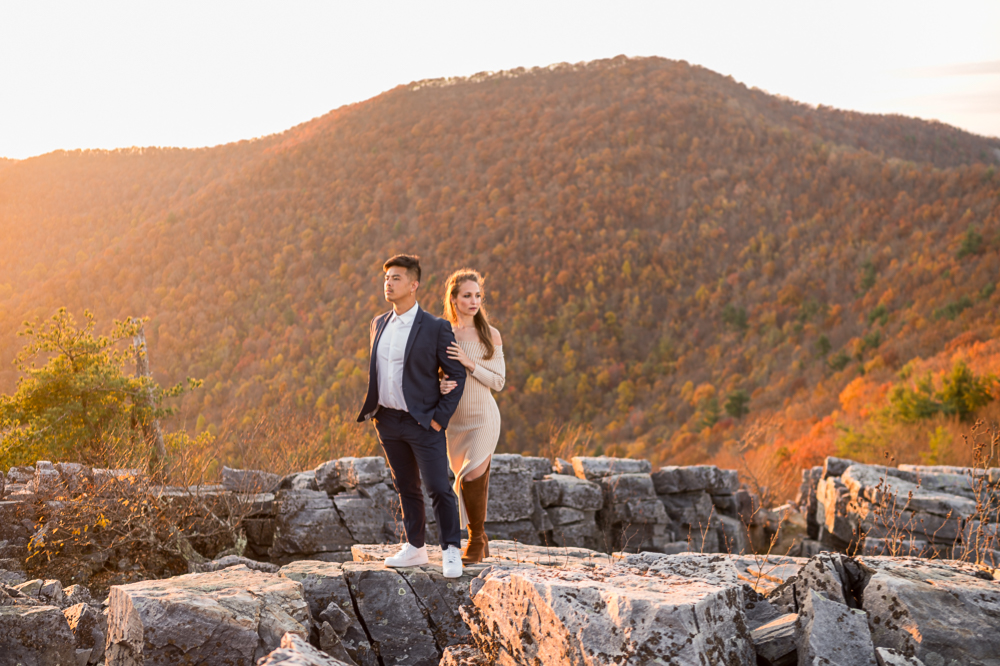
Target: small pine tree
(81, 398)
(737, 404)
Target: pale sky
(100, 74)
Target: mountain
(660, 243)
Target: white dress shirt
(390, 353)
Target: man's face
(398, 284)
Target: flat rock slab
(669, 480)
(234, 616)
(500, 552)
(877, 484)
(569, 491)
(719, 570)
(35, 636)
(890, 657)
(766, 572)
(777, 640)
(591, 468)
(606, 614)
(941, 612)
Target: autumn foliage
(668, 254)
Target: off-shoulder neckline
(478, 342)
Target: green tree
(910, 405)
(823, 345)
(963, 393)
(736, 404)
(81, 400)
(972, 244)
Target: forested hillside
(669, 255)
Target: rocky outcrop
(938, 612)
(531, 604)
(606, 614)
(233, 616)
(43, 624)
(333, 608)
(599, 503)
(910, 510)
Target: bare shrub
(567, 440)
(764, 469)
(980, 543)
(119, 523)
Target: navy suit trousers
(415, 452)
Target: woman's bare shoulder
(496, 336)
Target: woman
(475, 427)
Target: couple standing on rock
(428, 377)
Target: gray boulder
(354, 472)
(886, 485)
(522, 531)
(361, 516)
(234, 616)
(327, 477)
(691, 509)
(249, 481)
(569, 491)
(604, 614)
(692, 478)
(941, 612)
(836, 466)
(592, 468)
(564, 515)
(713, 569)
(296, 651)
(582, 534)
(307, 523)
(562, 466)
(777, 641)
(511, 496)
(539, 467)
(88, 627)
(77, 594)
(35, 636)
(834, 634)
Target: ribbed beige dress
(474, 428)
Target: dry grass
(978, 537)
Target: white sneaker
(408, 556)
(451, 562)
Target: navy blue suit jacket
(426, 351)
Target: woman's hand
(447, 385)
(457, 353)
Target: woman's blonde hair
(455, 281)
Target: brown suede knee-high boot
(475, 494)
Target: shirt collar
(407, 317)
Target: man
(408, 348)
